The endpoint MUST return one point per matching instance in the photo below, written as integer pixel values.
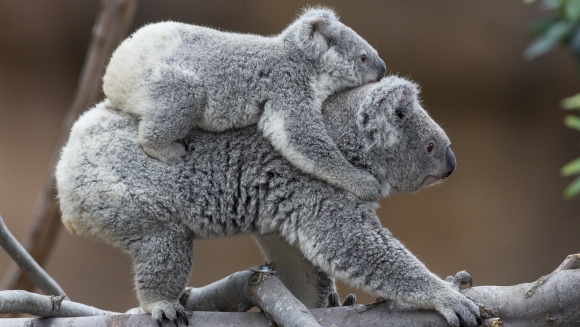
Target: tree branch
(45, 305)
(550, 301)
(269, 294)
(27, 263)
(112, 26)
(245, 289)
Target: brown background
(501, 216)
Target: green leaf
(572, 122)
(572, 102)
(573, 189)
(555, 33)
(571, 168)
(572, 9)
(527, 2)
(574, 41)
(540, 27)
(552, 4)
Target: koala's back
(239, 72)
(110, 190)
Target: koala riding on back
(176, 76)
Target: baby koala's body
(176, 76)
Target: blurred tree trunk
(111, 27)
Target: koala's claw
(461, 278)
(333, 300)
(170, 311)
(458, 306)
(349, 300)
(183, 316)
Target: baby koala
(175, 77)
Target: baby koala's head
(344, 58)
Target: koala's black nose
(382, 69)
(451, 163)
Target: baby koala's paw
(365, 187)
(171, 154)
(169, 310)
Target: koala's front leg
(347, 241)
(162, 262)
(300, 135)
(173, 102)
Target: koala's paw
(169, 310)
(461, 278)
(365, 187)
(170, 154)
(334, 302)
(453, 305)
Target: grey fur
(177, 76)
(235, 183)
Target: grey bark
(552, 300)
(44, 305)
(25, 261)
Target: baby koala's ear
(311, 32)
(383, 108)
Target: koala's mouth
(431, 180)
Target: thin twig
(112, 25)
(25, 261)
(45, 305)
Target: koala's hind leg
(307, 283)
(162, 264)
(176, 101)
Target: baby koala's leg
(176, 100)
(162, 262)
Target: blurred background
(501, 216)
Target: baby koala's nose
(382, 69)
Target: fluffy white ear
(391, 100)
(311, 31)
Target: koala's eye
(399, 113)
(430, 147)
(331, 40)
(363, 57)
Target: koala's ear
(400, 100)
(311, 31)
(391, 100)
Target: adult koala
(176, 76)
(236, 183)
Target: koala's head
(392, 135)
(344, 58)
